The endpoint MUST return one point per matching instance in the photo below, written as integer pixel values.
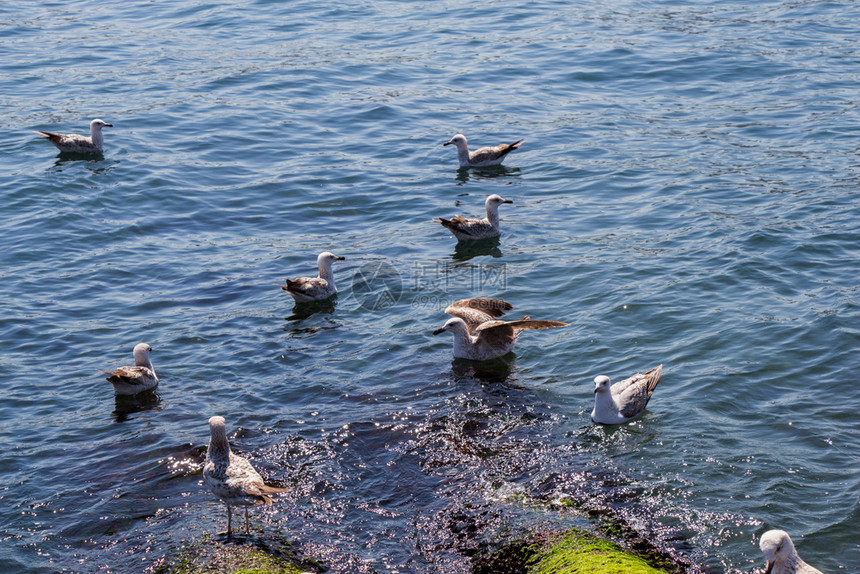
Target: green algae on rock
(570, 552)
(579, 552)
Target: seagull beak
(508, 201)
(769, 567)
(340, 258)
(439, 330)
(595, 390)
(447, 143)
(108, 125)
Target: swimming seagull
(75, 143)
(781, 556)
(132, 380)
(464, 229)
(305, 289)
(479, 335)
(624, 400)
(482, 157)
(231, 477)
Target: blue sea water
(687, 194)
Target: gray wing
(632, 395)
(531, 324)
(498, 333)
(472, 227)
(69, 142)
(478, 310)
(313, 287)
(241, 475)
(130, 375)
(493, 153)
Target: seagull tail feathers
(653, 377)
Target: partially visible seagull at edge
(483, 157)
(479, 335)
(781, 556)
(465, 229)
(75, 143)
(624, 400)
(137, 379)
(306, 289)
(231, 477)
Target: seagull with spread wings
(478, 332)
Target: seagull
(781, 556)
(306, 289)
(137, 379)
(624, 400)
(231, 477)
(479, 335)
(482, 157)
(464, 229)
(75, 143)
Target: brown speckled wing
(478, 310)
(133, 375)
(459, 224)
(493, 153)
(496, 334)
(313, 287)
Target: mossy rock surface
(239, 555)
(571, 552)
(578, 552)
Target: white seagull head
(776, 546)
(98, 124)
(601, 384)
(452, 325)
(326, 258)
(458, 140)
(141, 353)
(496, 200)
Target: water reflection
(127, 405)
(464, 174)
(465, 250)
(302, 311)
(95, 162)
(495, 371)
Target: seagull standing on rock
(75, 143)
(231, 477)
(306, 289)
(624, 400)
(479, 335)
(137, 379)
(466, 229)
(483, 157)
(781, 556)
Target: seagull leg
(229, 521)
(246, 520)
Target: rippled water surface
(687, 195)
